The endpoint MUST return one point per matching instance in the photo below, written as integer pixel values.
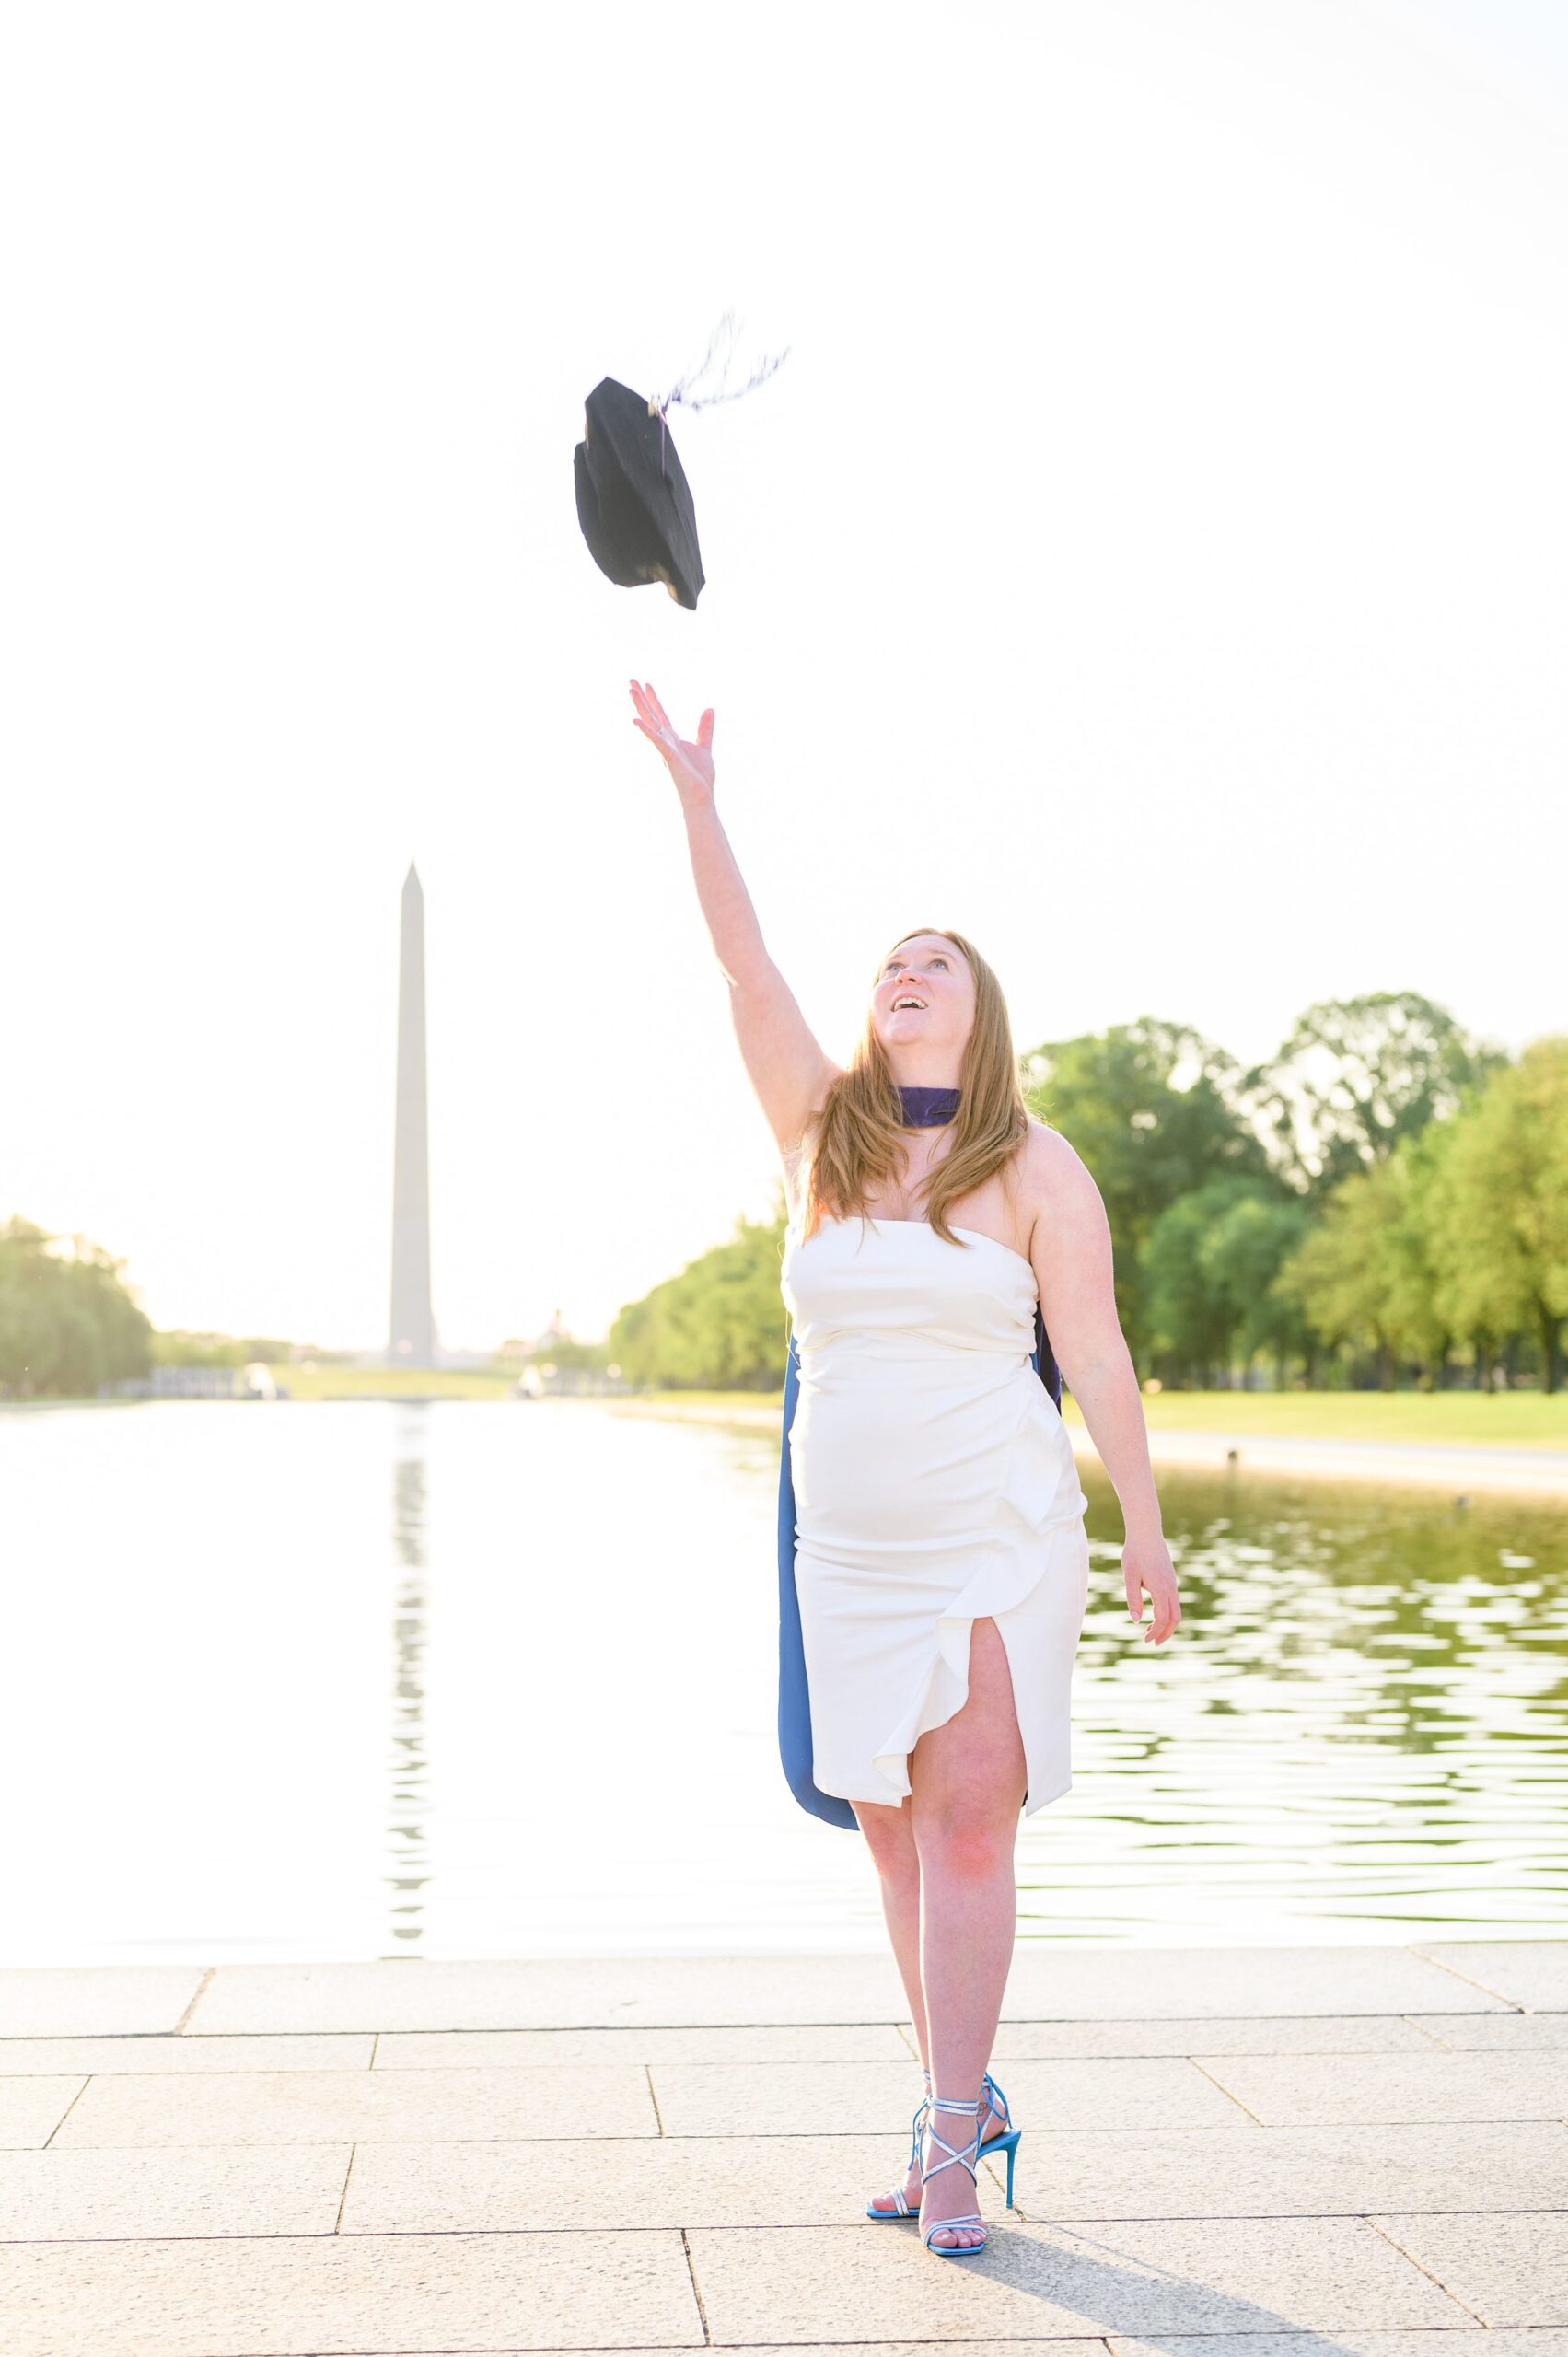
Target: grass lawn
(1443, 1418)
(1448, 1419)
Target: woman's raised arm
(787, 1065)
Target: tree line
(1383, 1202)
(67, 1322)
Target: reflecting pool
(467, 1679)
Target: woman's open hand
(690, 766)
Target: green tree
(1368, 1273)
(1502, 1211)
(1151, 1107)
(1357, 1076)
(1209, 1263)
(67, 1322)
(177, 1346)
(1250, 1242)
(721, 1324)
(1414, 1310)
(1337, 1274)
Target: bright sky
(1150, 560)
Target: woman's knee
(965, 1844)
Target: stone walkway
(1225, 2150)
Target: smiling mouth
(906, 1000)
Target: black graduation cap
(633, 502)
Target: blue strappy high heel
(964, 2156)
(1006, 2142)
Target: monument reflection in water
(408, 1839)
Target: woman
(942, 1564)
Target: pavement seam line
(1220, 2088)
(1468, 1980)
(696, 2289)
(76, 2099)
(196, 1996)
(653, 2095)
(1440, 2043)
(338, 2220)
(1409, 2255)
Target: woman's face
(926, 968)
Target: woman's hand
(1145, 1563)
(690, 766)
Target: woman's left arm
(1071, 1254)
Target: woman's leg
(890, 1839)
(968, 1780)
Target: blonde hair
(857, 1138)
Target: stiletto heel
(964, 2157)
(1006, 2142)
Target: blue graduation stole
(794, 1697)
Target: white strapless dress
(934, 1485)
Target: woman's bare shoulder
(1047, 1156)
(1053, 1175)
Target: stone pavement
(1226, 2152)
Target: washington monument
(412, 1341)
